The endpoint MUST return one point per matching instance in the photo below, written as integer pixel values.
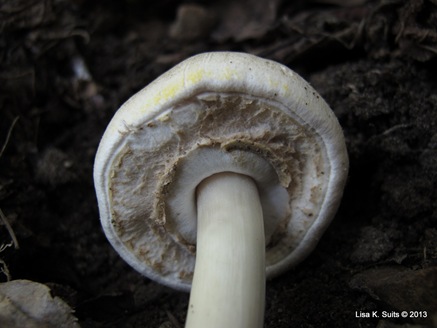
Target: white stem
(228, 287)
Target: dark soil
(67, 65)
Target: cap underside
(146, 173)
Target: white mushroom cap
(218, 112)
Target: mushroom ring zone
(218, 112)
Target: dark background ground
(66, 66)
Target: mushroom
(223, 172)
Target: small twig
(429, 48)
(4, 246)
(9, 228)
(8, 136)
(394, 128)
(5, 270)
